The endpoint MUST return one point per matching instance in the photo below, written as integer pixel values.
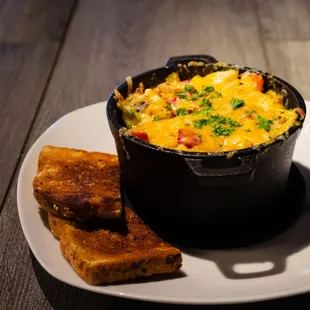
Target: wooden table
(57, 56)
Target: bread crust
(57, 224)
(102, 255)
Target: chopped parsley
(198, 95)
(181, 111)
(182, 95)
(208, 89)
(217, 118)
(222, 126)
(199, 123)
(216, 95)
(264, 123)
(237, 103)
(223, 131)
(128, 126)
(168, 106)
(205, 103)
(156, 119)
(187, 87)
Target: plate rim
(133, 296)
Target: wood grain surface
(106, 41)
(31, 32)
(286, 38)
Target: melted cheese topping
(223, 111)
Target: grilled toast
(119, 251)
(56, 224)
(78, 185)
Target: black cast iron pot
(204, 194)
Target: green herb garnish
(182, 95)
(217, 118)
(156, 119)
(264, 123)
(222, 126)
(168, 106)
(247, 130)
(208, 89)
(199, 123)
(216, 95)
(187, 87)
(198, 95)
(181, 111)
(205, 103)
(237, 103)
(128, 126)
(223, 131)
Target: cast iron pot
(204, 194)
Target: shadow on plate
(270, 256)
(61, 296)
(44, 217)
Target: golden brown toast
(77, 184)
(57, 224)
(117, 252)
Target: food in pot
(222, 111)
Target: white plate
(204, 282)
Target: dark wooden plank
(30, 36)
(285, 19)
(107, 41)
(290, 60)
(286, 33)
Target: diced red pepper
(140, 135)
(173, 101)
(257, 78)
(188, 137)
(186, 81)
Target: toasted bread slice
(77, 184)
(57, 224)
(103, 255)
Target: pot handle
(242, 171)
(173, 61)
